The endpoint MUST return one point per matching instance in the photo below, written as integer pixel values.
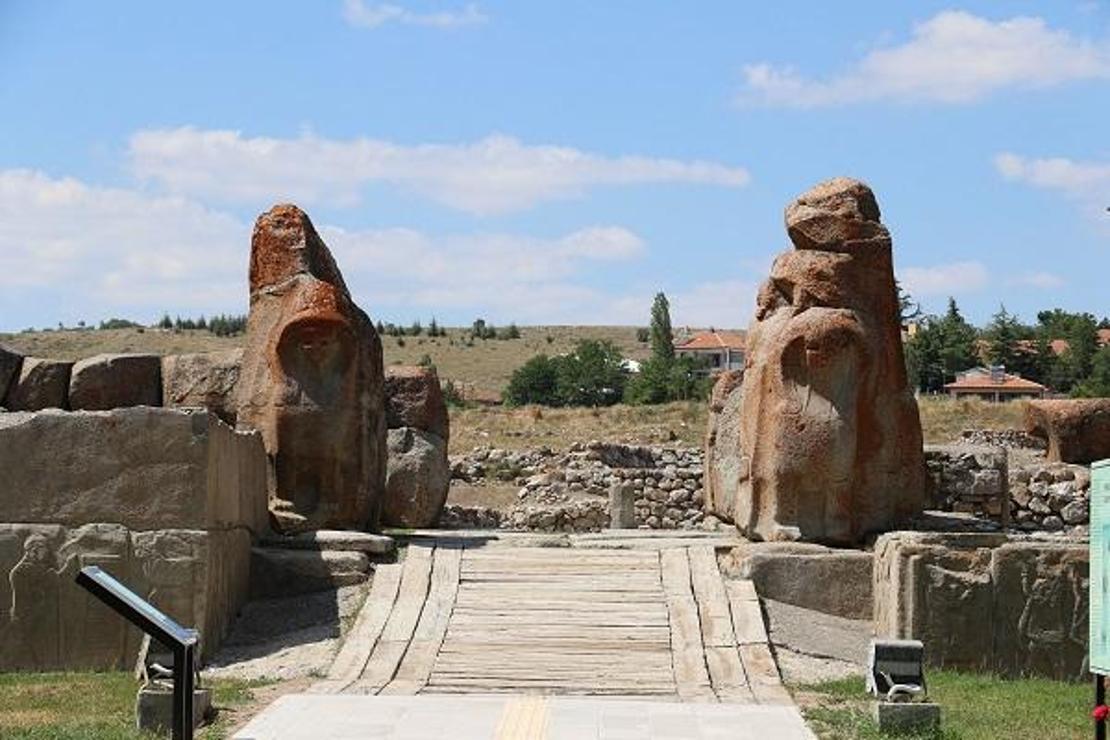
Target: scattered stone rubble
(1011, 439)
(569, 491)
(1051, 496)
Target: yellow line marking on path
(524, 718)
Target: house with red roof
(720, 350)
(993, 384)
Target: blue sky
(545, 162)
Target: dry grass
(481, 367)
(942, 419)
(533, 426)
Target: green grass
(78, 706)
(973, 707)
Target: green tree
(1097, 384)
(591, 375)
(943, 346)
(533, 382)
(662, 336)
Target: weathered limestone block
(800, 573)
(725, 464)
(41, 384)
(281, 572)
(1077, 430)
(311, 381)
(986, 602)
(413, 398)
(108, 382)
(827, 418)
(10, 364)
(144, 468)
(205, 379)
(47, 622)
(417, 478)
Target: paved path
(645, 618)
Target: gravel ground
(287, 638)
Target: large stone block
(725, 463)
(206, 379)
(417, 478)
(828, 421)
(311, 381)
(108, 382)
(47, 622)
(985, 601)
(41, 384)
(801, 574)
(10, 364)
(1077, 430)
(413, 398)
(143, 468)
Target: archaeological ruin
(206, 480)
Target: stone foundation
(969, 480)
(166, 501)
(986, 602)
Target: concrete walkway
(351, 717)
(646, 620)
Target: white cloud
(1078, 179)
(1040, 280)
(358, 13)
(112, 247)
(954, 57)
(948, 279)
(496, 174)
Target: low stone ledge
(987, 602)
(801, 574)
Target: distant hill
(480, 366)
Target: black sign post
(142, 614)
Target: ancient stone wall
(166, 501)
(969, 480)
(986, 602)
(569, 492)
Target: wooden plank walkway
(462, 618)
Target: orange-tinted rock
(829, 430)
(413, 398)
(723, 461)
(1077, 430)
(311, 381)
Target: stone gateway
(830, 437)
(311, 381)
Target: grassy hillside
(481, 366)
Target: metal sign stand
(143, 615)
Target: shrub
(643, 335)
(119, 324)
(452, 396)
(534, 382)
(590, 376)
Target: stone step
(279, 571)
(333, 539)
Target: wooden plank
(690, 673)
(763, 675)
(747, 616)
(364, 634)
(709, 590)
(726, 672)
(416, 665)
(383, 662)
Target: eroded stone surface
(144, 468)
(111, 381)
(10, 363)
(828, 423)
(986, 602)
(47, 623)
(311, 381)
(1077, 430)
(41, 384)
(724, 461)
(417, 478)
(414, 398)
(205, 379)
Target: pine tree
(662, 336)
